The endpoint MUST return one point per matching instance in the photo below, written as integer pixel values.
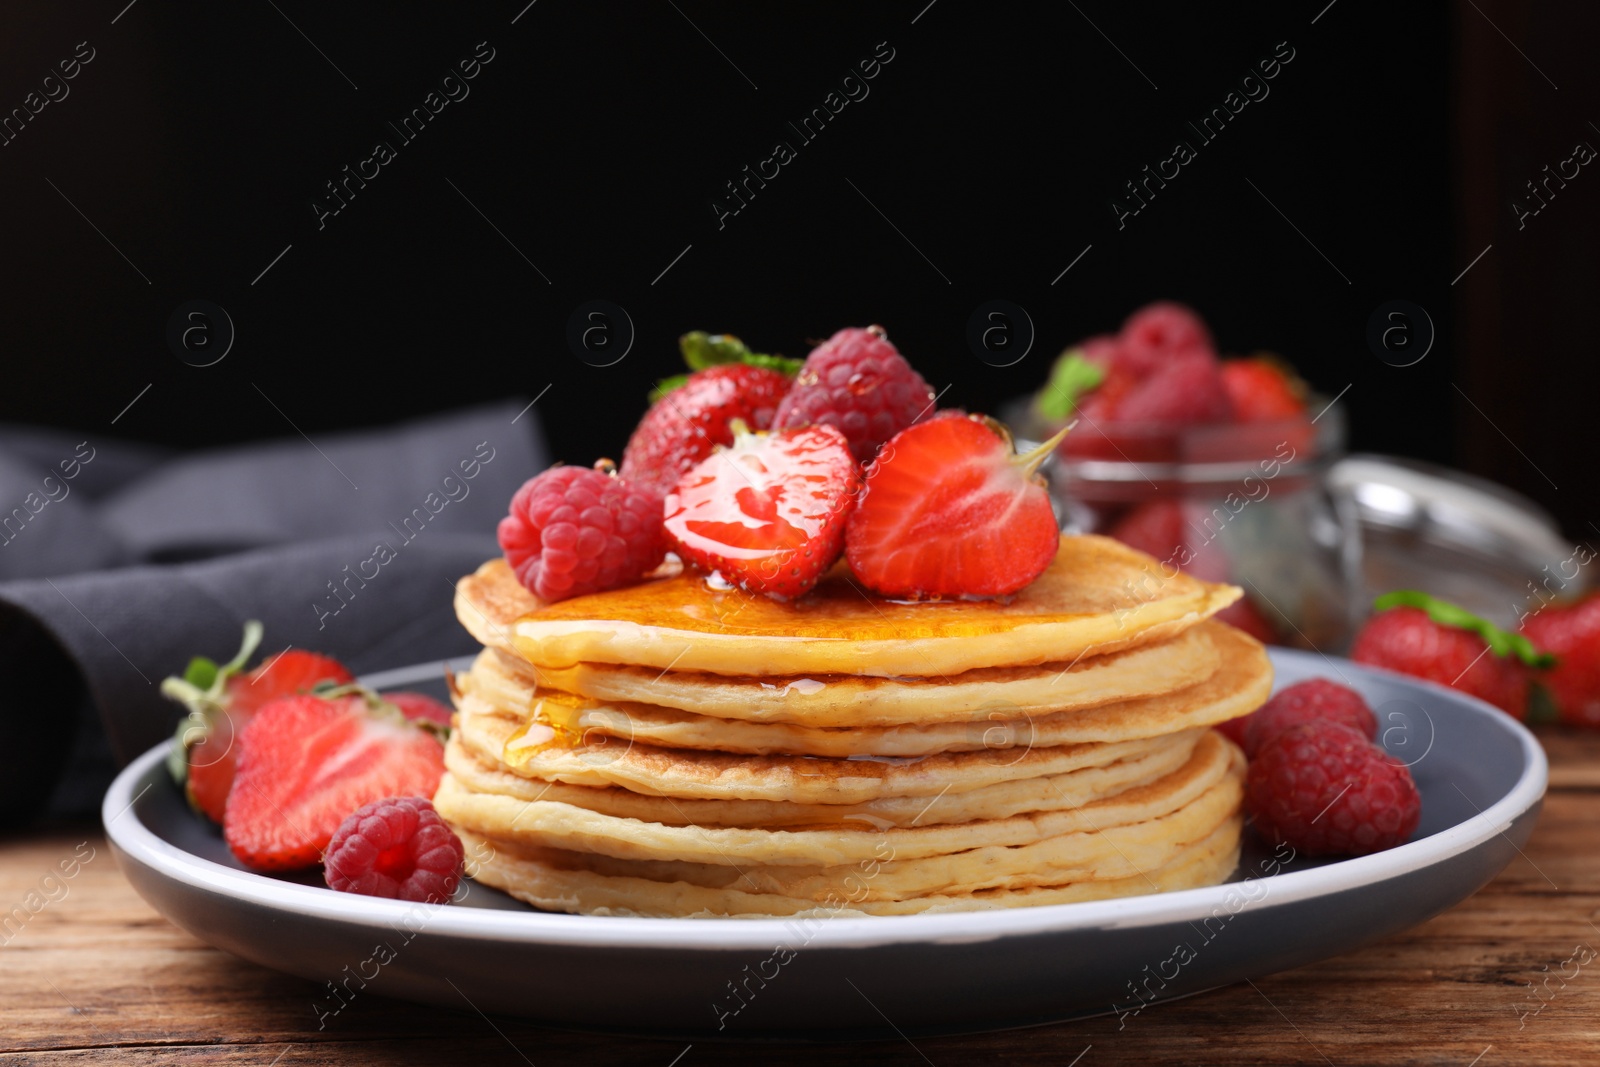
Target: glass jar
(1244, 503)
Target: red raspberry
(1233, 729)
(1324, 789)
(395, 847)
(860, 384)
(573, 531)
(1157, 332)
(1186, 389)
(1313, 700)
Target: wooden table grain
(1511, 976)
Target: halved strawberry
(949, 509)
(767, 513)
(221, 700)
(306, 762)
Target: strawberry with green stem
(221, 698)
(692, 414)
(1433, 639)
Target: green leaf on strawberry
(1501, 642)
(702, 350)
(201, 690)
(1071, 377)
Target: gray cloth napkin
(350, 546)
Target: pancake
(1242, 682)
(656, 771)
(845, 700)
(676, 748)
(540, 878)
(998, 801)
(1097, 596)
(558, 825)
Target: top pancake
(1097, 596)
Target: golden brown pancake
(1241, 683)
(1097, 596)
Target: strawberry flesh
(949, 510)
(213, 753)
(305, 763)
(768, 512)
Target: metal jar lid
(1471, 541)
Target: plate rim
(140, 844)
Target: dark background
(199, 136)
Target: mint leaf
(201, 672)
(701, 350)
(1070, 378)
(1501, 642)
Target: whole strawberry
(686, 423)
(767, 513)
(1323, 789)
(950, 509)
(1425, 637)
(1263, 389)
(860, 384)
(1313, 700)
(306, 762)
(573, 530)
(1572, 635)
(221, 699)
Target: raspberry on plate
(949, 509)
(396, 847)
(1313, 700)
(573, 530)
(859, 383)
(1323, 789)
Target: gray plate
(1482, 778)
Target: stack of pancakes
(679, 749)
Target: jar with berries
(1213, 466)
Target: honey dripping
(554, 723)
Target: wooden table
(96, 976)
